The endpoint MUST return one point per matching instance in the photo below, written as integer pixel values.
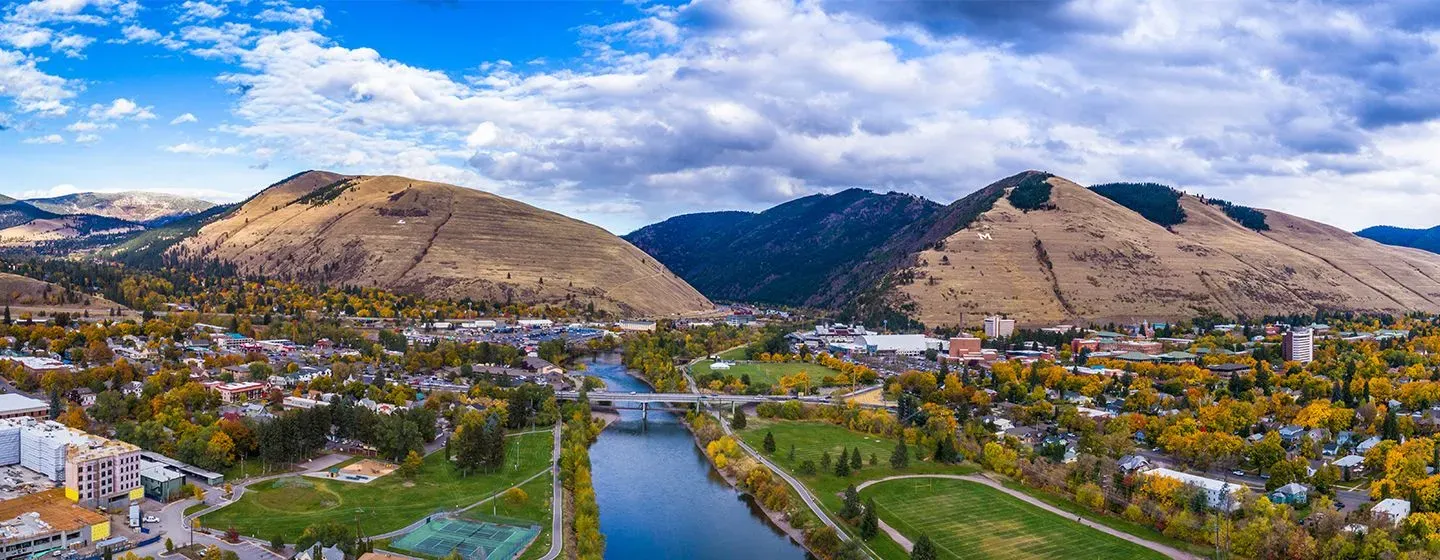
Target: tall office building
(1299, 345)
(997, 327)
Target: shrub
(1033, 193)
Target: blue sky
(626, 113)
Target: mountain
(1044, 250)
(15, 212)
(782, 254)
(60, 228)
(422, 237)
(1423, 239)
(24, 291)
(134, 206)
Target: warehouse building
(19, 406)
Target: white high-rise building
(998, 327)
(1299, 345)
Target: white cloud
(121, 108)
(193, 10)
(62, 11)
(226, 41)
(203, 151)
(300, 17)
(30, 89)
(86, 138)
(145, 35)
(185, 118)
(47, 139)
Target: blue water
(659, 497)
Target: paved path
(907, 545)
(557, 503)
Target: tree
(870, 522)
(737, 422)
(1391, 429)
(1266, 452)
(924, 549)
(825, 460)
(842, 466)
(791, 456)
(169, 545)
(855, 461)
(277, 541)
(411, 466)
(900, 457)
(769, 444)
(807, 467)
(515, 497)
(851, 508)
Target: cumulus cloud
(87, 138)
(203, 151)
(145, 35)
(32, 90)
(194, 10)
(47, 139)
(185, 118)
(285, 13)
(121, 108)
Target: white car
(152, 519)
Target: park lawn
(970, 520)
(813, 438)
(768, 373)
(736, 353)
(1110, 520)
(285, 508)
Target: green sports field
(969, 520)
(767, 373)
(286, 506)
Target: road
(1348, 500)
(1157, 547)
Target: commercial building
(1218, 494)
(232, 392)
(897, 344)
(961, 346)
(40, 366)
(13, 405)
(96, 471)
(46, 521)
(161, 483)
(1299, 345)
(998, 327)
(150, 458)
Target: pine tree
(851, 508)
(825, 461)
(1391, 429)
(842, 467)
(769, 442)
(737, 422)
(900, 457)
(791, 456)
(924, 549)
(855, 461)
(870, 522)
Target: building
(148, 458)
(1299, 345)
(45, 521)
(542, 366)
(14, 405)
(1134, 463)
(1226, 371)
(1391, 510)
(161, 483)
(962, 346)
(1350, 466)
(103, 473)
(232, 392)
(293, 402)
(1218, 494)
(40, 366)
(636, 326)
(998, 327)
(898, 344)
(535, 323)
(1294, 494)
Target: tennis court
(472, 539)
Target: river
(658, 495)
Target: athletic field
(969, 520)
(472, 539)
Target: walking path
(557, 504)
(908, 545)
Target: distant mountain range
(81, 218)
(1043, 250)
(1423, 239)
(134, 206)
(416, 236)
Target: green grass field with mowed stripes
(969, 520)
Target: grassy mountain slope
(436, 239)
(65, 228)
(1423, 239)
(785, 255)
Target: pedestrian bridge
(676, 397)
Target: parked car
(152, 519)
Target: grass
(737, 353)
(970, 520)
(247, 469)
(389, 503)
(812, 439)
(194, 508)
(1111, 521)
(768, 373)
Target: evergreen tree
(737, 422)
(825, 461)
(924, 549)
(873, 460)
(791, 456)
(7, 314)
(900, 457)
(851, 508)
(1391, 429)
(870, 522)
(842, 467)
(55, 407)
(769, 442)
(855, 461)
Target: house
(84, 396)
(1367, 445)
(1350, 465)
(1134, 463)
(318, 553)
(1291, 494)
(542, 366)
(1391, 510)
(1218, 494)
(1291, 434)
(1226, 371)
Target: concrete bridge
(645, 400)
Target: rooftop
(13, 402)
(1199, 481)
(41, 513)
